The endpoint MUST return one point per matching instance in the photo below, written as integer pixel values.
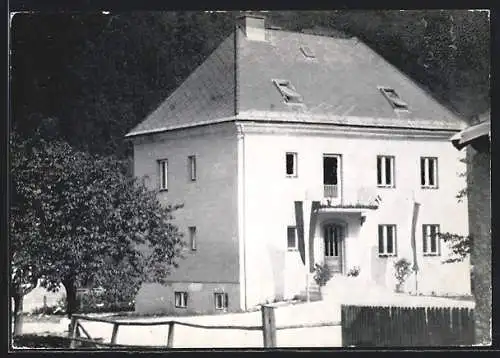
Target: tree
(460, 246)
(77, 217)
(105, 73)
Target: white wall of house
(273, 272)
(210, 204)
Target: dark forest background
(91, 77)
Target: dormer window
(287, 90)
(394, 99)
(307, 52)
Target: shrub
(322, 274)
(94, 301)
(354, 272)
(403, 270)
(58, 309)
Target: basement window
(221, 300)
(287, 90)
(181, 299)
(307, 52)
(394, 99)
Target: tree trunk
(71, 301)
(18, 310)
(479, 199)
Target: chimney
(253, 26)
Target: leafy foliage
(322, 274)
(81, 220)
(402, 272)
(460, 246)
(106, 301)
(354, 272)
(102, 74)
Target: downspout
(241, 157)
(241, 202)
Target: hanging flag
(416, 207)
(299, 222)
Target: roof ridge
(351, 37)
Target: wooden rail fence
(362, 326)
(268, 329)
(406, 326)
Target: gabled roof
(340, 85)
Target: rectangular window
(428, 172)
(181, 299)
(221, 300)
(431, 244)
(292, 238)
(331, 175)
(192, 237)
(385, 171)
(387, 240)
(291, 164)
(192, 167)
(287, 90)
(394, 99)
(163, 174)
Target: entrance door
(333, 236)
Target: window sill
(163, 190)
(432, 255)
(429, 187)
(292, 250)
(381, 186)
(386, 255)
(292, 176)
(183, 307)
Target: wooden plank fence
(365, 326)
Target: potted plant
(402, 271)
(322, 275)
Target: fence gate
(366, 326)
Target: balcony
(330, 191)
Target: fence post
(73, 328)
(268, 326)
(170, 339)
(114, 334)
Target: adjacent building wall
(210, 204)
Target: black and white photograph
(252, 179)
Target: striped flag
(416, 207)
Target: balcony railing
(330, 191)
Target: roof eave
(471, 134)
